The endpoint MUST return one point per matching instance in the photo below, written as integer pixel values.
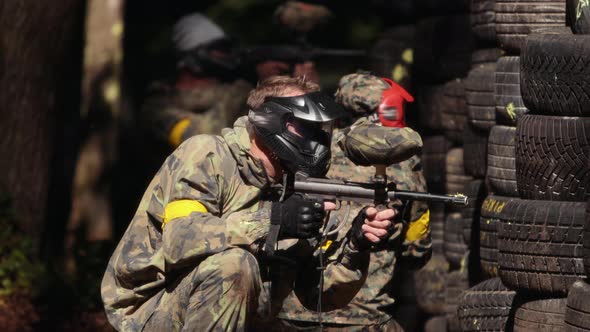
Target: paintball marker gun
(371, 145)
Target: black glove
(356, 235)
(300, 216)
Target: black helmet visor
(314, 106)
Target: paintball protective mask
(298, 130)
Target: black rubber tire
(540, 315)
(577, 313)
(540, 245)
(454, 244)
(587, 240)
(486, 307)
(434, 155)
(457, 282)
(501, 174)
(430, 283)
(515, 19)
(491, 209)
(436, 324)
(578, 16)
(554, 74)
(430, 101)
(475, 148)
(476, 193)
(485, 55)
(483, 19)
(479, 96)
(509, 103)
(443, 48)
(454, 110)
(552, 155)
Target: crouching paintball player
(371, 100)
(193, 256)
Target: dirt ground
(18, 313)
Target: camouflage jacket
(370, 304)
(172, 115)
(222, 182)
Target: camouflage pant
(292, 326)
(266, 320)
(220, 294)
(390, 326)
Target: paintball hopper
(370, 144)
(301, 17)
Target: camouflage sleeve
(161, 118)
(203, 173)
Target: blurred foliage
(25, 276)
(19, 271)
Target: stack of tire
(538, 176)
(444, 47)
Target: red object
(391, 109)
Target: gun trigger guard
(285, 179)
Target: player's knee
(239, 268)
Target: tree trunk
(39, 66)
(101, 105)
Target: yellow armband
(175, 136)
(182, 208)
(418, 228)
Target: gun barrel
(418, 196)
